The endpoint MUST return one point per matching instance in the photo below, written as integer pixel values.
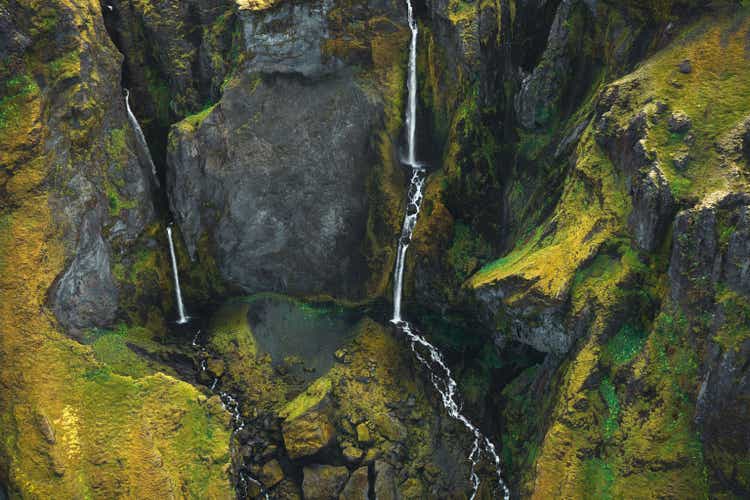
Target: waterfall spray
(440, 374)
(142, 144)
(182, 319)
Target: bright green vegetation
(624, 346)
(609, 395)
(192, 122)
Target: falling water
(140, 137)
(440, 374)
(178, 293)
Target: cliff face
(83, 419)
(582, 255)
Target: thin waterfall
(440, 374)
(182, 319)
(142, 144)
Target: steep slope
(640, 315)
(83, 420)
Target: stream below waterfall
(440, 374)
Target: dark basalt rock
(541, 89)
(275, 177)
(322, 482)
(711, 244)
(653, 206)
(86, 294)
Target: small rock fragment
(352, 454)
(679, 122)
(271, 474)
(681, 160)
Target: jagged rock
(536, 321)
(686, 66)
(323, 482)
(681, 160)
(679, 122)
(307, 434)
(541, 89)
(177, 47)
(86, 294)
(358, 486)
(298, 50)
(45, 427)
(390, 427)
(271, 474)
(385, 483)
(653, 206)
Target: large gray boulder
(275, 176)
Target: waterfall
(142, 144)
(411, 109)
(178, 293)
(440, 374)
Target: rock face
(357, 487)
(298, 50)
(308, 434)
(322, 482)
(75, 211)
(278, 183)
(86, 294)
(541, 89)
(710, 271)
(176, 55)
(274, 181)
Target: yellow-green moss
(585, 217)
(81, 421)
(307, 400)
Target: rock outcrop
(278, 183)
(274, 181)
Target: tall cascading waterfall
(182, 319)
(440, 374)
(141, 138)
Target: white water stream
(145, 153)
(440, 374)
(182, 318)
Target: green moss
(735, 329)
(466, 251)
(231, 331)
(18, 92)
(111, 349)
(609, 394)
(66, 66)
(624, 346)
(192, 122)
(598, 478)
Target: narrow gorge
(376, 250)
